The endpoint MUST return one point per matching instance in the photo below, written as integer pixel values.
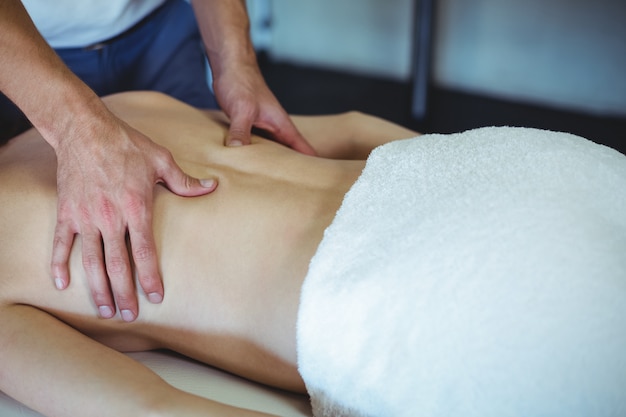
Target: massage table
(204, 381)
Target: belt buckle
(96, 46)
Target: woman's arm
(350, 135)
(58, 371)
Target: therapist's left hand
(247, 100)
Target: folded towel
(475, 274)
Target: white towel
(475, 274)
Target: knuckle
(125, 299)
(107, 212)
(247, 107)
(91, 263)
(100, 297)
(151, 285)
(135, 205)
(58, 266)
(116, 266)
(59, 241)
(143, 253)
(64, 211)
(238, 132)
(163, 158)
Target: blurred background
(449, 65)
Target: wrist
(238, 56)
(70, 107)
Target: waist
(73, 24)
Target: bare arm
(351, 135)
(59, 372)
(239, 86)
(106, 170)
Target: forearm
(36, 80)
(60, 372)
(225, 30)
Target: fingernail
(155, 297)
(58, 282)
(207, 183)
(127, 315)
(235, 142)
(105, 312)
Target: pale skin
(232, 273)
(106, 168)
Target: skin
(107, 169)
(239, 86)
(233, 274)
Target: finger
(291, 137)
(180, 183)
(61, 249)
(120, 275)
(239, 130)
(284, 131)
(93, 264)
(144, 256)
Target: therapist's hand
(106, 170)
(106, 175)
(247, 100)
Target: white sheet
(477, 274)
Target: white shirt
(77, 23)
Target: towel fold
(475, 274)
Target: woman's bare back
(232, 262)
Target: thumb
(185, 185)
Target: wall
(365, 36)
(564, 53)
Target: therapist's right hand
(106, 176)
(106, 170)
